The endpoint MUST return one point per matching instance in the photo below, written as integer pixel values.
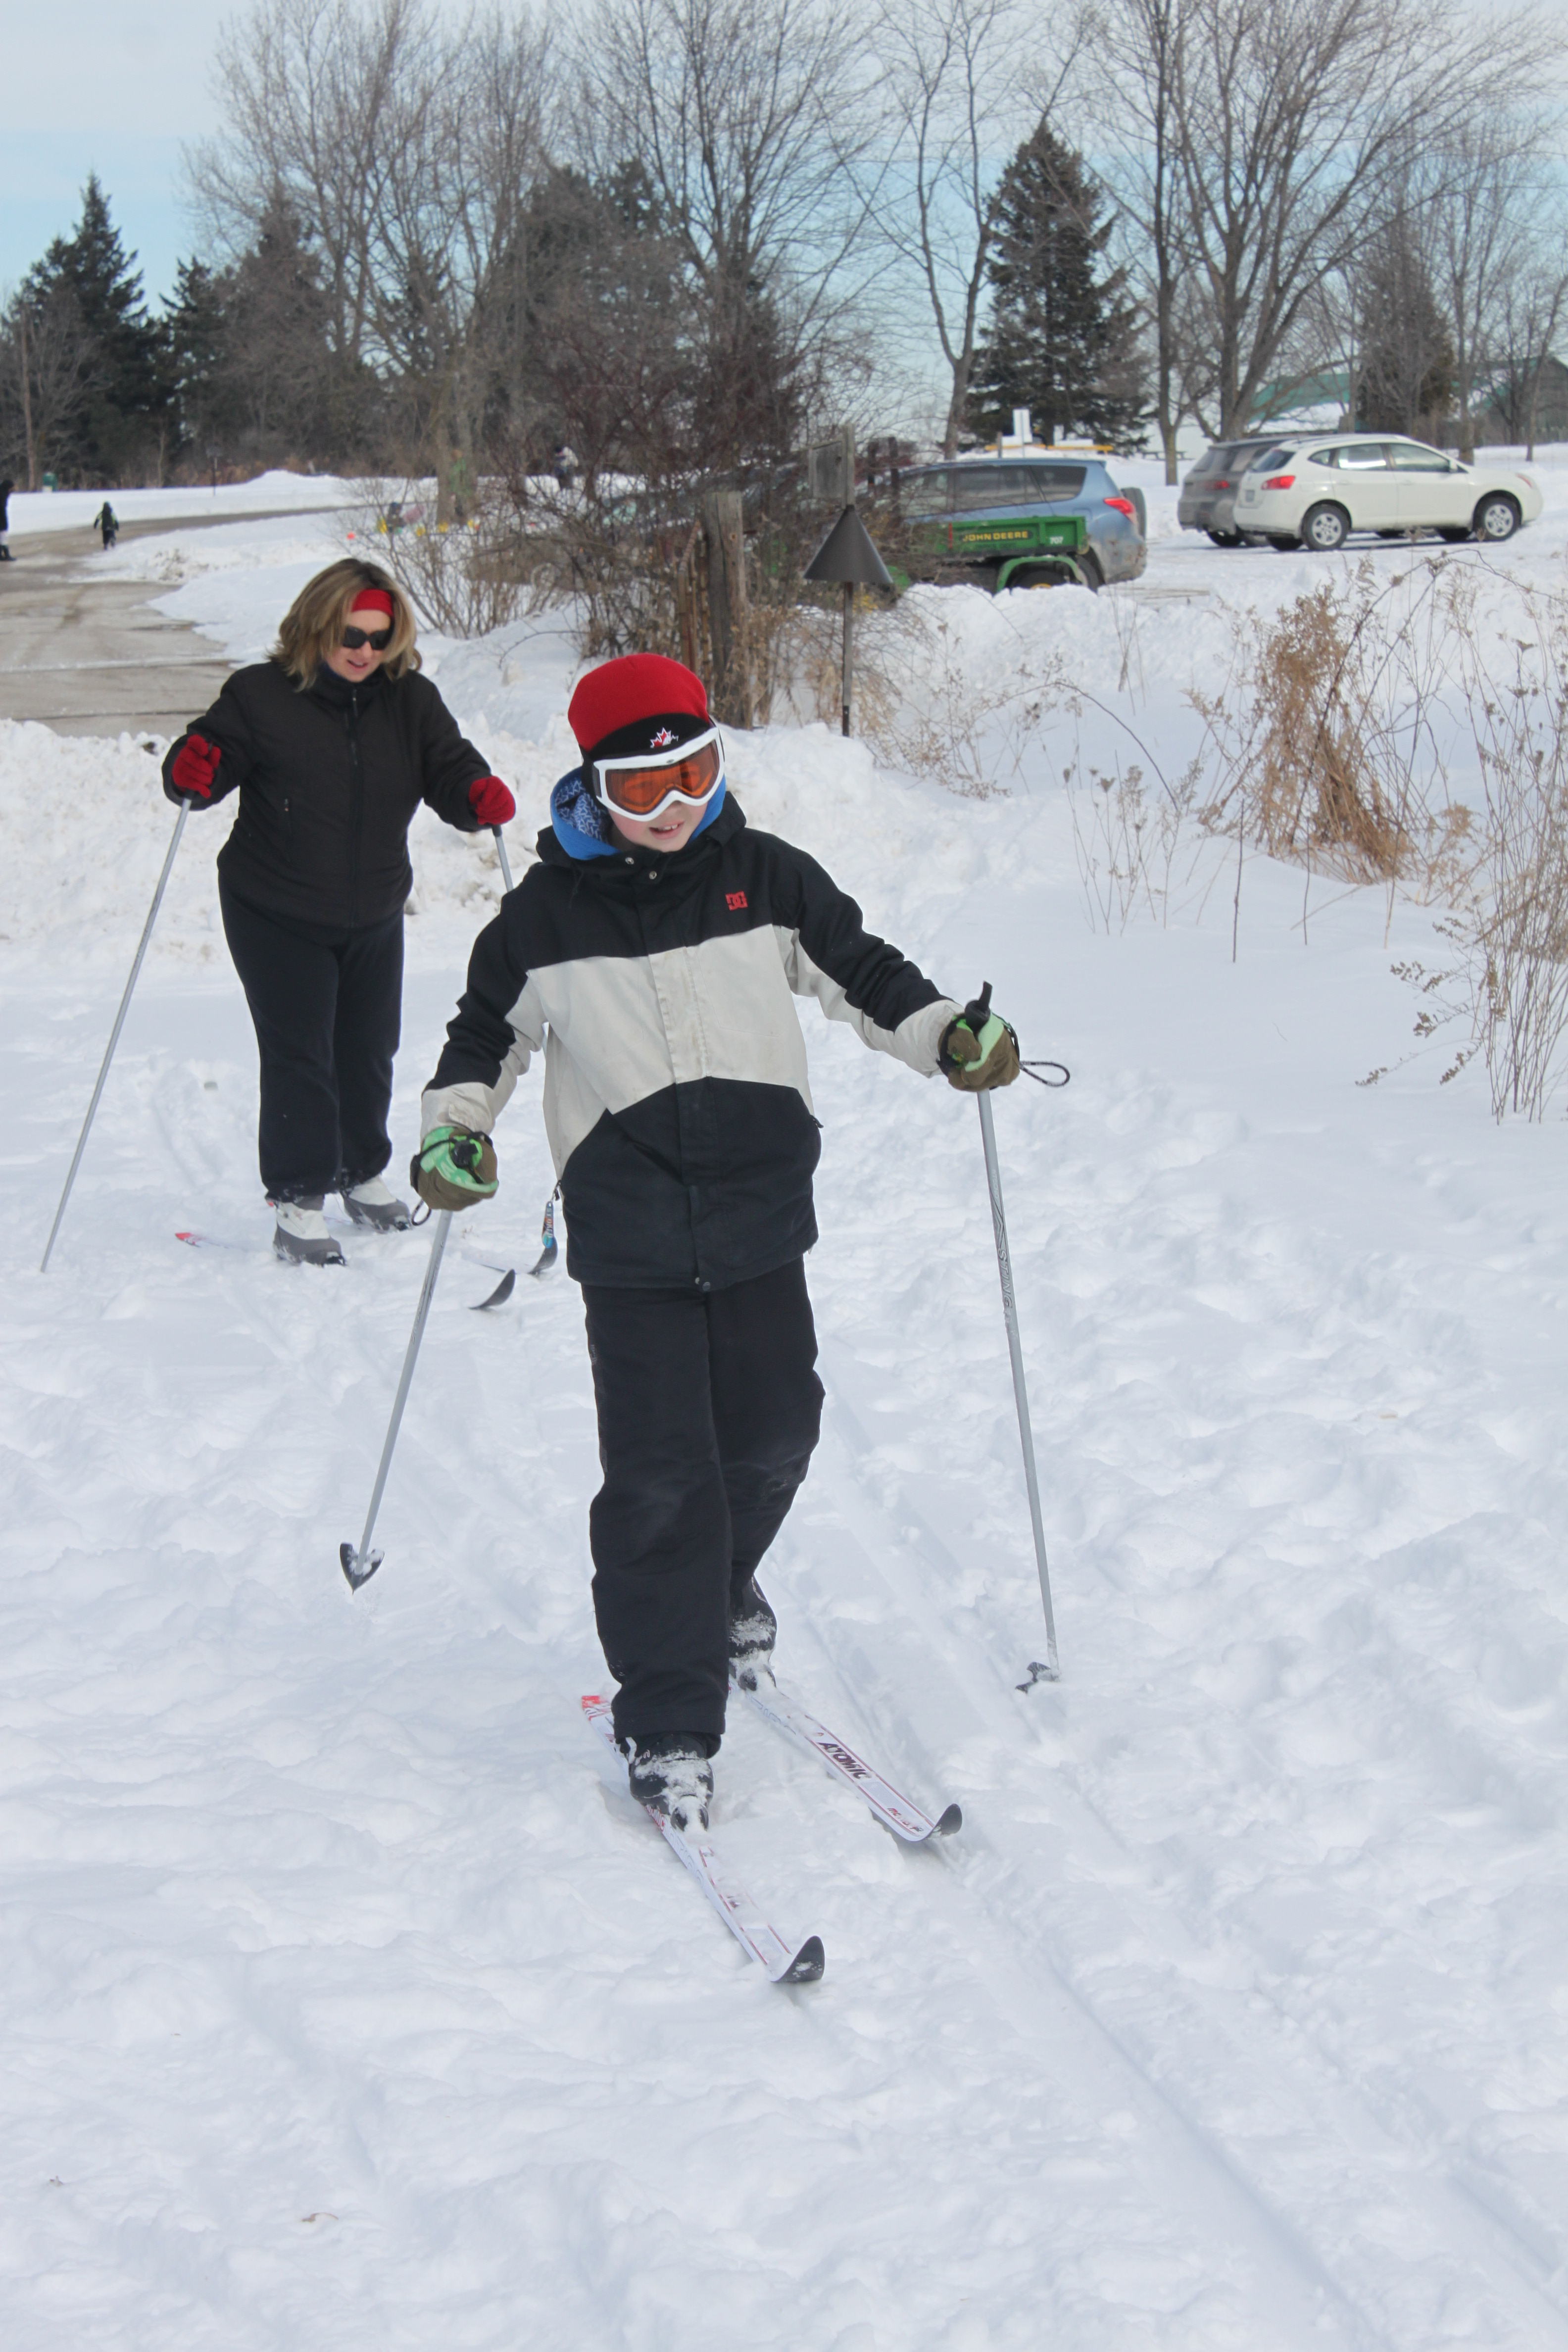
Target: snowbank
(35, 513)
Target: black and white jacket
(676, 1098)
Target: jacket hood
(580, 826)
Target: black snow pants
(709, 1410)
(328, 1007)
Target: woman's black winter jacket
(329, 779)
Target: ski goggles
(642, 784)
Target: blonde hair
(315, 621)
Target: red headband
(372, 600)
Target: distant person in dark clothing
(331, 745)
(107, 521)
(563, 465)
(6, 487)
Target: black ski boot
(371, 1204)
(670, 1771)
(301, 1237)
(752, 1628)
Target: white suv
(1315, 493)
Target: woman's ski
(892, 1807)
(784, 1962)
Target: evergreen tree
(123, 420)
(1062, 342)
(1407, 382)
(196, 332)
(278, 369)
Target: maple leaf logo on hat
(665, 735)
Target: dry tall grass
(1328, 736)
(1387, 729)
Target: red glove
(490, 801)
(195, 766)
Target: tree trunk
(957, 404)
(442, 454)
(727, 607)
(27, 400)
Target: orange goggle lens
(641, 791)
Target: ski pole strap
(1033, 1069)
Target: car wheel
(1325, 528)
(1496, 518)
(1281, 544)
(1089, 572)
(1225, 538)
(1064, 574)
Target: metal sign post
(848, 556)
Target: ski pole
(114, 1032)
(501, 852)
(359, 1566)
(1047, 1670)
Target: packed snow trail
(347, 1998)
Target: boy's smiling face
(670, 830)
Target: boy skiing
(653, 953)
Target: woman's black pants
(328, 1007)
(709, 1410)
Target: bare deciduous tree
(405, 150)
(1534, 305)
(1133, 69)
(46, 377)
(1287, 120)
(958, 104)
(748, 120)
(1487, 187)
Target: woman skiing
(331, 745)
(653, 952)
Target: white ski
(786, 1963)
(498, 1296)
(892, 1807)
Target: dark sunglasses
(377, 640)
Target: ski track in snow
(349, 1999)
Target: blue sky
(112, 89)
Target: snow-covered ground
(1236, 2019)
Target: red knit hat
(372, 600)
(639, 690)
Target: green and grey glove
(979, 1050)
(454, 1169)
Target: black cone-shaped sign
(849, 555)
